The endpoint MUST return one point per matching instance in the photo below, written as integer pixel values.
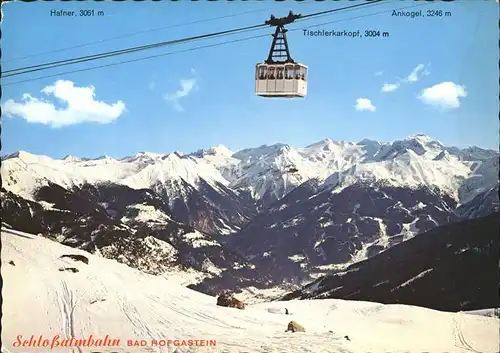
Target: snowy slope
(173, 166)
(339, 155)
(107, 298)
(406, 169)
(127, 225)
(412, 162)
(194, 189)
(144, 170)
(484, 177)
(23, 173)
(270, 172)
(221, 158)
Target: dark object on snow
(295, 327)
(228, 300)
(97, 300)
(286, 311)
(347, 338)
(71, 269)
(78, 258)
(12, 263)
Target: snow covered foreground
(108, 298)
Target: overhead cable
(50, 65)
(205, 46)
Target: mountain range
(257, 217)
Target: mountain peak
(16, 154)
(103, 158)
(427, 141)
(475, 148)
(325, 142)
(21, 155)
(328, 143)
(366, 142)
(249, 154)
(420, 136)
(175, 156)
(424, 140)
(220, 150)
(70, 158)
(147, 154)
(284, 148)
(142, 156)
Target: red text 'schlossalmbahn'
(58, 341)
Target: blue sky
(451, 96)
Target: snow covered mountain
(71, 293)
(272, 213)
(268, 173)
(194, 190)
(381, 195)
(453, 267)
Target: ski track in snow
(460, 337)
(67, 308)
(105, 297)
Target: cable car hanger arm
(280, 51)
(283, 20)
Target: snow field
(108, 298)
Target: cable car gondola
(280, 76)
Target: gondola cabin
(280, 76)
(281, 80)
